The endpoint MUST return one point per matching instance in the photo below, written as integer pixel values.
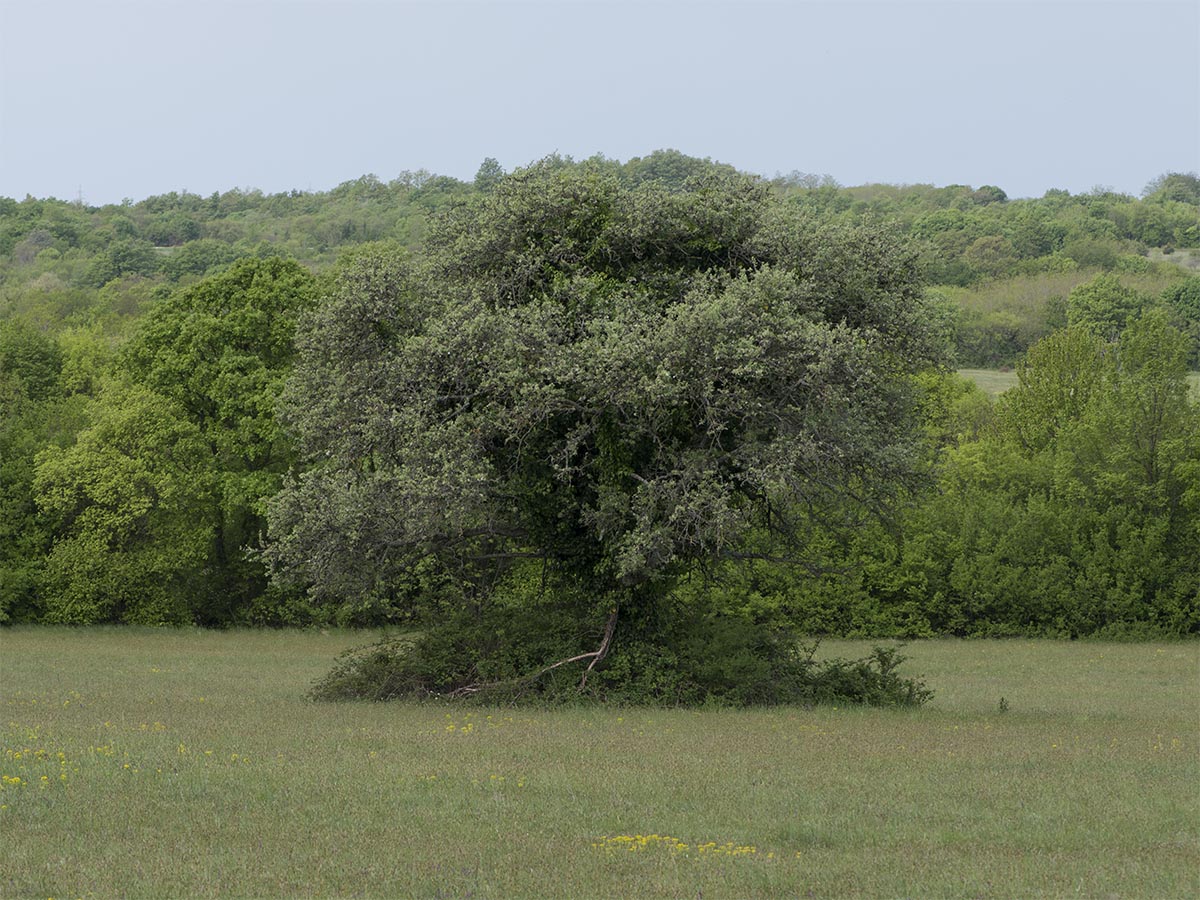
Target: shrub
(536, 656)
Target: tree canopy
(620, 382)
(220, 350)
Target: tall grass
(996, 381)
(1026, 296)
(1187, 259)
(188, 763)
(991, 381)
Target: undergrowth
(706, 661)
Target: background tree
(1104, 306)
(1182, 302)
(488, 175)
(1181, 187)
(128, 503)
(23, 538)
(30, 358)
(1077, 514)
(36, 412)
(1055, 384)
(220, 351)
(199, 257)
(127, 256)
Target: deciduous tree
(622, 384)
(129, 505)
(220, 351)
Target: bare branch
(595, 656)
(603, 651)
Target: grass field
(1026, 297)
(140, 763)
(991, 381)
(1188, 258)
(995, 381)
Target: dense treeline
(1009, 265)
(144, 348)
(1069, 507)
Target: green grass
(1188, 258)
(991, 381)
(995, 381)
(186, 763)
(1026, 296)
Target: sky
(105, 100)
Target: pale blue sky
(129, 99)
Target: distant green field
(995, 382)
(1188, 258)
(991, 381)
(141, 763)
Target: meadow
(996, 381)
(155, 763)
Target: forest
(217, 410)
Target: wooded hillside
(144, 348)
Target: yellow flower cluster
(469, 724)
(634, 843)
(637, 842)
(32, 766)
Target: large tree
(128, 503)
(619, 383)
(220, 350)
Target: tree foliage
(1077, 514)
(623, 383)
(128, 503)
(1180, 187)
(220, 350)
(1104, 306)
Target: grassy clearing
(991, 381)
(168, 763)
(1026, 296)
(996, 381)
(1188, 258)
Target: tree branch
(595, 656)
